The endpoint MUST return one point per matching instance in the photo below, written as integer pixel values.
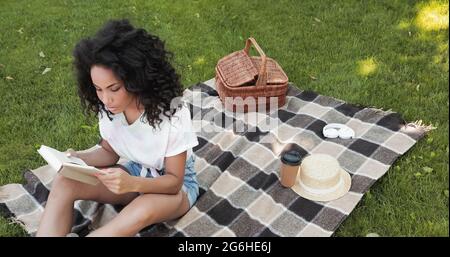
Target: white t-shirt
(141, 143)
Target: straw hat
(321, 178)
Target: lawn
(387, 54)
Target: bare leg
(143, 211)
(57, 217)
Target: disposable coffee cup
(290, 164)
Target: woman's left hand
(116, 180)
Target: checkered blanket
(237, 163)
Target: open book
(70, 167)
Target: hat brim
(338, 193)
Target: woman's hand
(71, 153)
(116, 180)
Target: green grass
(388, 54)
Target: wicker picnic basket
(239, 75)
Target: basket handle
(262, 76)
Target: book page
(89, 170)
(76, 160)
(51, 158)
(61, 156)
(72, 167)
(57, 154)
(79, 176)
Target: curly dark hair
(135, 56)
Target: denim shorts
(190, 184)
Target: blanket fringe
(14, 220)
(420, 125)
(379, 109)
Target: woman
(125, 78)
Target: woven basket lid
(275, 75)
(236, 69)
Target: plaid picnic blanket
(237, 163)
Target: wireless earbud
(334, 130)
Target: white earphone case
(334, 130)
